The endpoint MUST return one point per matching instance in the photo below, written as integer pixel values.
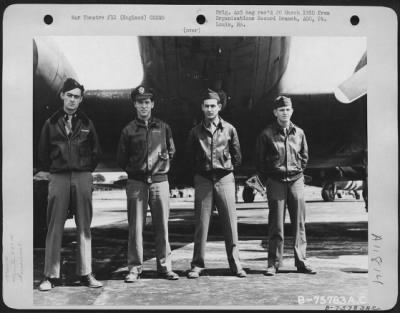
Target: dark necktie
(286, 131)
(68, 124)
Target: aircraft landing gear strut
(251, 187)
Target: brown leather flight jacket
(281, 157)
(59, 152)
(145, 153)
(209, 154)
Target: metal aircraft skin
(247, 72)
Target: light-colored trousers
(69, 190)
(279, 195)
(222, 194)
(140, 195)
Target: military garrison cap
(282, 101)
(142, 92)
(211, 94)
(70, 84)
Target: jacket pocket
(85, 157)
(299, 161)
(54, 153)
(227, 160)
(84, 134)
(164, 162)
(200, 158)
(227, 155)
(272, 161)
(84, 151)
(58, 160)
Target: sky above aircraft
(316, 64)
(101, 62)
(320, 64)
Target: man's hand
(41, 175)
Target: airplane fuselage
(246, 70)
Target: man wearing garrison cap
(281, 157)
(69, 150)
(213, 152)
(145, 151)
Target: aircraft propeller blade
(353, 88)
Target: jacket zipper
(212, 151)
(69, 150)
(147, 147)
(286, 153)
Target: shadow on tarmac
(109, 245)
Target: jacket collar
(279, 129)
(153, 122)
(221, 124)
(60, 113)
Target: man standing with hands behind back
(69, 150)
(282, 156)
(145, 151)
(213, 151)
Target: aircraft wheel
(248, 194)
(328, 192)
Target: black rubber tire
(248, 195)
(328, 192)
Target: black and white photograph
(202, 171)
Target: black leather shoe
(306, 270)
(169, 275)
(90, 281)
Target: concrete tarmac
(337, 235)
